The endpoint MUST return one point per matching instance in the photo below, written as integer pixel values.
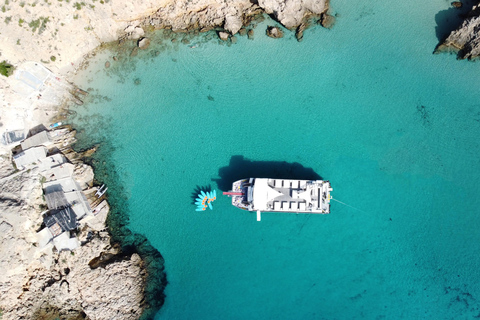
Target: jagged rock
(465, 41)
(43, 284)
(143, 43)
(292, 13)
(223, 35)
(233, 23)
(299, 31)
(274, 32)
(327, 21)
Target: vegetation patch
(6, 69)
(40, 24)
(79, 5)
(8, 19)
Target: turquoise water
(365, 105)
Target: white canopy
(263, 193)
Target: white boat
(281, 195)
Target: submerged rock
(107, 64)
(457, 4)
(134, 52)
(274, 32)
(327, 21)
(250, 34)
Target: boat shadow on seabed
(241, 168)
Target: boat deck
(292, 195)
(282, 195)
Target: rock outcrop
(292, 13)
(274, 32)
(223, 35)
(143, 43)
(465, 41)
(232, 15)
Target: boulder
(143, 43)
(327, 21)
(137, 33)
(233, 23)
(250, 34)
(134, 32)
(299, 31)
(274, 32)
(223, 35)
(456, 4)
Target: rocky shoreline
(42, 282)
(465, 40)
(104, 278)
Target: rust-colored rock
(274, 32)
(457, 4)
(327, 21)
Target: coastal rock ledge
(205, 15)
(41, 278)
(465, 41)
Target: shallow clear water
(365, 105)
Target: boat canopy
(263, 194)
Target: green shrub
(53, 58)
(34, 24)
(8, 19)
(78, 6)
(6, 69)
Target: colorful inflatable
(205, 199)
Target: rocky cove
(106, 276)
(85, 284)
